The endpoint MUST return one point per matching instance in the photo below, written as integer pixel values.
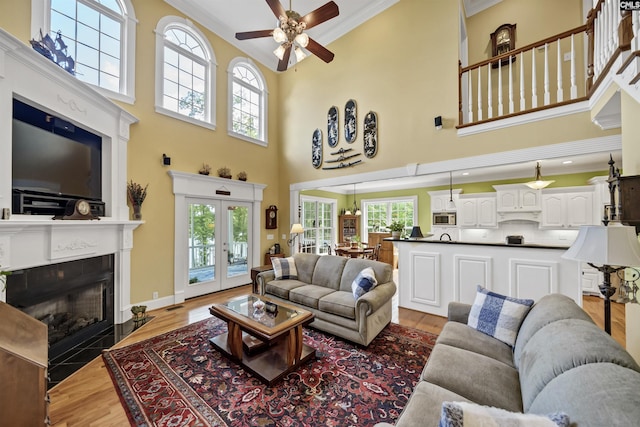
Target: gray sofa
(561, 361)
(324, 288)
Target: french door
(218, 245)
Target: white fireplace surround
(29, 241)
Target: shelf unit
(349, 226)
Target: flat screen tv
(52, 156)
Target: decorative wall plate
(332, 127)
(350, 124)
(370, 134)
(316, 148)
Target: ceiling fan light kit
(290, 32)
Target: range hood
(519, 216)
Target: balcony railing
(559, 70)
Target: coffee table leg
(234, 339)
(294, 345)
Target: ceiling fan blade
(254, 34)
(277, 8)
(320, 51)
(284, 62)
(321, 14)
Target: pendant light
(451, 205)
(538, 183)
(356, 209)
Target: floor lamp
(608, 249)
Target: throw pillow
(364, 282)
(284, 268)
(459, 414)
(498, 316)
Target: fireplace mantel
(29, 241)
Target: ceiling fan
(290, 32)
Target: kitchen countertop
(455, 242)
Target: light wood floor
(88, 398)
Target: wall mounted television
(53, 157)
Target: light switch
(270, 236)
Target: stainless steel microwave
(444, 218)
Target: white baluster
(560, 92)
(470, 105)
(489, 94)
(510, 87)
(479, 93)
(546, 74)
(500, 111)
(574, 87)
(534, 80)
(522, 95)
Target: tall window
(247, 102)
(100, 37)
(184, 72)
(378, 214)
(318, 219)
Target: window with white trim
(100, 37)
(380, 213)
(185, 70)
(247, 102)
(318, 219)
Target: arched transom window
(247, 102)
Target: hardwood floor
(88, 398)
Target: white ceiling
(227, 17)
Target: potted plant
(205, 169)
(396, 229)
(136, 195)
(224, 172)
(242, 176)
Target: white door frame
(187, 185)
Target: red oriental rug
(178, 379)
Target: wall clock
(332, 127)
(316, 148)
(350, 117)
(503, 40)
(370, 134)
(271, 215)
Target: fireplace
(74, 299)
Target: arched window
(100, 37)
(185, 72)
(247, 102)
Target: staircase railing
(556, 71)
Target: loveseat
(561, 363)
(324, 287)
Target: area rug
(178, 379)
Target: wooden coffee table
(269, 345)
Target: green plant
(3, 278)
(396, 226)
(136, 193)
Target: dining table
(352, 252)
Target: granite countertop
(447, 242)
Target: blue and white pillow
(284, 268)
(364, 282)
(498, 316)
(459, 414)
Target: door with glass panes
(318, 219)
(219, 245)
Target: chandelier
(290, 33)
(538, 183)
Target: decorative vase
(137, 212)
(395, 234)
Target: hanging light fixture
(356, 209)
(290, 34)
(538, 183)
(451, 205)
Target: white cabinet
(440, 200)
(477, 212)
(517, 198)
(591, 280)
(567, 209)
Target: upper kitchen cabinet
(477, 211)
(567, 207)
(440, 200)
(517, 198)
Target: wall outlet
(270, 236)
(284, 237)
(567, 56)
(155, 295)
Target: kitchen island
(433, 273)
